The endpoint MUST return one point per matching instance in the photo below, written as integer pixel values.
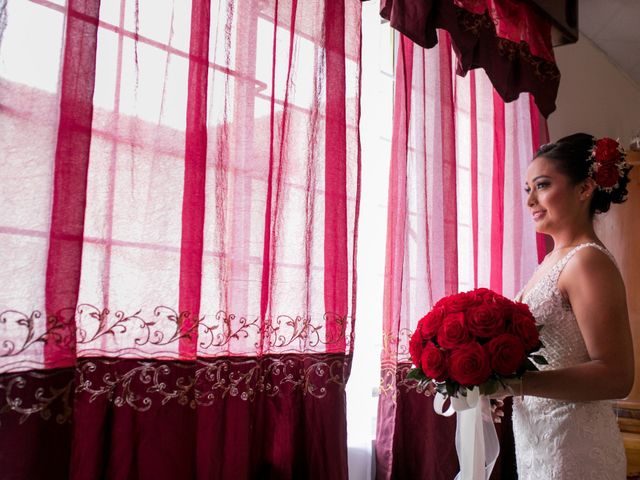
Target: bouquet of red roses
(476, 338)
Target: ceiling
(614, 26)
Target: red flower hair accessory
(607, 164)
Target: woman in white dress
(563, 421)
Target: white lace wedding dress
(558, 439)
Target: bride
(564, 427)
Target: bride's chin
(540, 229)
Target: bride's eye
(527, 190)
(542, 185)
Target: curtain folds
(506, 38)
(178, 235)
(457, 220)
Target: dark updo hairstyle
(570, 155)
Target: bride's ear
(587, 188)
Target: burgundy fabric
(210, 430)
(35, 424)
(423, 443)
(178, 237)
(166, 420)
(506, 38)
(457, 219)
(431, 452)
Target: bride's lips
(538, 215)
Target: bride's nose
(531, 200)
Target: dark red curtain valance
(507, 38)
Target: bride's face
(553, 199)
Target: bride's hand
(511, 387)
(497, 410)
(430, 389)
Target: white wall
(595, 96)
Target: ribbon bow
(476, 439)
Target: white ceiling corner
(614, 26)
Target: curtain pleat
(457, 220)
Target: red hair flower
(607, 163)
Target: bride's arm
(596, 292)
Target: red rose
(606, 151)
(415, 346)
(485, 294)
(503, 302)
(441, 302)
(523, 326)
(506, 353)
(522, 309)
(460, 302)
(453, 331)
(469, 364)
(485, 321)
(434, 363)
(431, 322)
(607, 175)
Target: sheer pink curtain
(457, 220)
(178, 230)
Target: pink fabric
(457, 219)
(336, 262)
(394, 258)
(195, 172)
(69, 182)
(473, 121)
(190, 227)
(449, 172)
(497, 198)
(540, 136)
(179, 202)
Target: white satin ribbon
(476, 439)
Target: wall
(595, 96)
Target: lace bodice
(559, 439)
(561, 336)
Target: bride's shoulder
(592, 255)
(591, 267)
